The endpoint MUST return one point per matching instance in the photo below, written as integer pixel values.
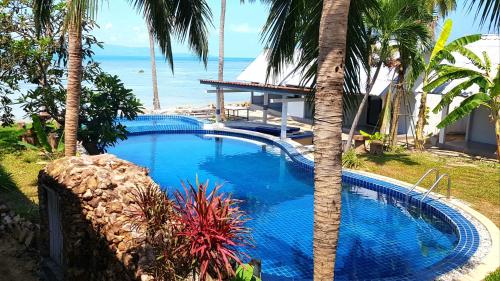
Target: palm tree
(185, 19)
(440, 52)
(74, 86)
(156, 99)
(487, 95)
(440, 8)
(328, 135)
(390, 25)
(409, 46)
(331, 56)
(220, 92)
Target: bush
(100, 104)
(198, 231)
(213, 226)
(351, 160)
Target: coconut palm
(440, 52)
(156, 98)
(332, 65)
(220, 92)
(390, 26)
(328, 135)
(488, 10)
(408, 48)
(184, 19)
(487, 81)
(439, 8)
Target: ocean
(180, 88)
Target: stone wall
(95, 201)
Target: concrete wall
(481, 128)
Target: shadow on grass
(11, 194)
(389, 157)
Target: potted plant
(376, 142)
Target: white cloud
(243, 28)
(108, 26)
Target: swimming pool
(381, 238)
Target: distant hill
(110, 50)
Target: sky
(121, 26)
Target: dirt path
(15, 262)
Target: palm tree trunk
(220, 92)
(497, 133)
(361, 108)
(156, 98)
(419, 130)
(328, 136)
(74, 88)
(396, 107)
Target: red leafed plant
(213, 226)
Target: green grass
(494, 276)
(473, 181)
(18, 174)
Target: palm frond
(41, 12)
(456, 91)
(488, 11)
(185, 19)
(465, 108)
(448, 73)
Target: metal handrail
(421, 179)
(448, 193)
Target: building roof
(256, 72)
(259, 87)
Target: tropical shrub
(198, 231)
(156, 211)
(213, 226)
(351, 160)
(482, 75)
(377, 136)
(440, 53)
(105, 99)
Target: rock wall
(19, 228)
(95, 200)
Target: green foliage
(351, 160)
(377, 136)
(294, 25)
(494, 276)
(41, 134)
(101, 103)
(244, 272)
(489, 87)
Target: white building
(475, 131)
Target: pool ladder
(433, 186)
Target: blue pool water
(380, 238)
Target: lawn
(18, 174)
(474, 181)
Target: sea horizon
(180, 88)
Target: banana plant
(487, 94)
(439, 54)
